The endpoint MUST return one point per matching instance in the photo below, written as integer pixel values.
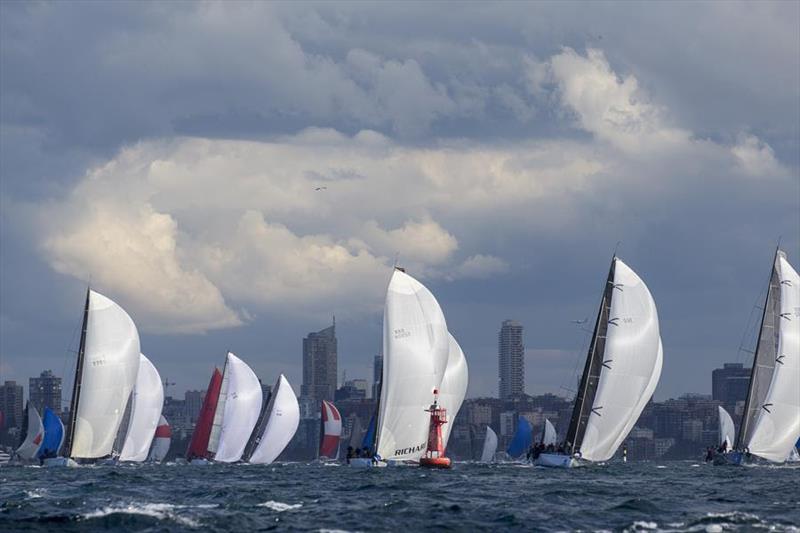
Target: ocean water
(666, 496)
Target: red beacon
(434, 456)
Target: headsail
(415, 348)
(623, 366)
(549, 434)
(489, 446)
(33, 436)
(726, 428)
(148, 399)
(454, 386)
(523, 438)
(242, 407)
(330, 432)
(771, 421)
(280, 424)
(108, 361)
(53, 435)
(161, 441)
(198, 446)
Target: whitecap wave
(280, 507)
(161, 511)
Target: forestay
(726, 428)
(109, 367)
(489, 446)
(454, 386)
(776, 423)
(33, 437)
(631, 365)
(148, 399)
(416, 349)
(242, 407)
(283, 418)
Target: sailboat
(330, 431)
(549, 434)
(105, 373)
(33, 429)
(621, 371)
(235, 400)
(161, 441)
(454, 386)
(416, 348)
(147, 402)
(771, 419)
(489, 446)
(522, 439)
(53, 435)
(727, 431)
(276, 426)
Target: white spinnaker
(489, 446)
(148, 399)
(33, 439)
(219, 412)
(242, 408)
(778, 423)
(549, 435)
(454, 386)
(110, 365)
(283, 419)
(632, 359)
(416, 349)
(727, 432)
(161, 443)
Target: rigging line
(68, 353)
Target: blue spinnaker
(522, 438)
(369, 437)
(53, 434)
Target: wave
(280, 507)
(159, 511)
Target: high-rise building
(319, 365)
(45, 391)
(730, 383)
(11, 404)
(193, 402)
(377, 375)
(511, 354)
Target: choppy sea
(666, 496)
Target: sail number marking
(401, 333)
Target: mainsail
(108, 360)
(454, 386)
(198, 446)
(242, 406)
(330, 431)
(549, 434)
(522, 440)
(726, 428)
(622, 368)
(416, 349)
(161, 441)
(148, 399)
(53, 435)
(33, 435)
(489, 446)
(280, 422)
(771, 420)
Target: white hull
(56, 462)
(554, 460)
(199, 462)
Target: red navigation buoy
(434, 456)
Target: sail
(356, 434)
(53, 434)
(198, 446)
(726, 429)
(631, 365)
(454, 386)
(148, 399)
(283, 418)
(369, 435)
(216, 425)
(331, 431)
(489, 446)
(33, 437)
(523, 438)
(161, 441)
(242, 408)
(776, 422)
(549, 435)
(110, 361)
(416, 350)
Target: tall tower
(511, 355)
(45, 391)
(320, 365)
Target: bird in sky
(580, 322)
(321, 189)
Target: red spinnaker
(198, 447)
(331, 431)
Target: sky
(170, 154)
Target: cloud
(756, 158)
(479, 266)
